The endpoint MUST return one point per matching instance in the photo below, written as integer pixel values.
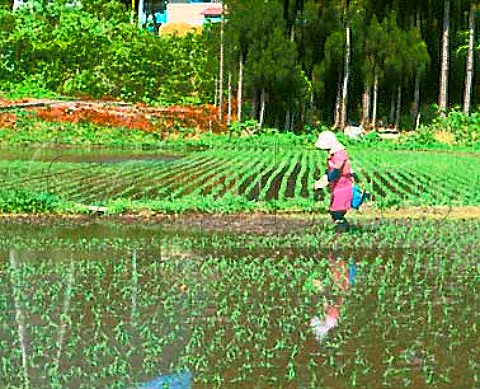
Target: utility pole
(132, 13)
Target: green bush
(424, 136)
(24, 201)
(70, 51)
(465, 128)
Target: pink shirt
(342, 189)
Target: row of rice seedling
(130, 174)
(231, 180)
(289, 179)
(196, 173)
(245, 185)
(267, 184)
(301, 183)
(161, 183)
(149, 183)
(394, 178)
(193, 186)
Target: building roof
(212, 11)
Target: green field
(271, 177)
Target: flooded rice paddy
(281, 303)
(97, 155)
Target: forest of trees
(366, 61)
(284, 63)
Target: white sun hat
(328, 141)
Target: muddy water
(110, 305)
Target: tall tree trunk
(443, 97)
(141, 7)
(470, 59)
(375, 99)
(416, 93)
(17, 4)
(220, 76)
(132, 13)
(229, 107)
(416, 98)
(346, 73)
(215, 99)
(262, 108)
(391, 116)
(366, 97)
(255, 100)
(311, 107)
(399, 107)
(287, 120)
(240, 89)
(338, 100)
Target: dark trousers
(338, 216)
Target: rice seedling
(117, 309)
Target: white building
(195, 13)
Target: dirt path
(258, 223)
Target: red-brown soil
(164, 120)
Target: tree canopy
(287, 60)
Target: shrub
(24, 201)
(465, 128)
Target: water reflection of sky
(182, 380)
(85, 155)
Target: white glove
(321, 183)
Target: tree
(470, 60)
(272, 72)
(443, 88)
(372, 67)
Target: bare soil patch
(258, 223)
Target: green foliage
(31, 87)
(423, 136)
(465, 128)
(25, 201)
(74, 52)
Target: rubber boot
(341, 225)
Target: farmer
(338, 176)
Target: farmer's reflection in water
(342, 278)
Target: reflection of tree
(64, 319)
(19, 314)
(131, 325)
(135, 337)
